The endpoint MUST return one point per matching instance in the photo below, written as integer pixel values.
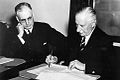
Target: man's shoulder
(42, 24)
(101, 36)
(42, 27)
(100, 33)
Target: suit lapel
(94, 38)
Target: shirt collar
(88, 37)
(26, 30)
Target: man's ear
(94, 24)
(33, 15)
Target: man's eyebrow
(22, 19)
(29, 17)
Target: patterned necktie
(82, 44)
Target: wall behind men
(54, 12)
(108, 15)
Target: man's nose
(78, 29)
(27, 22)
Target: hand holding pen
(51, 60)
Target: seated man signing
(95, 53)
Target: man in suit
(94, 54)
(33, 41)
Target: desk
(27, 75)
(9, 65)
(8, 70)
(57, 70)
(18, 78)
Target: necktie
(82, 44)
(28, 31)
(26, 35)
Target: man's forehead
(80, 19)
(24, 13)
(83, 17)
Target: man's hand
(76, 65)
(51, 59)
(20, 29)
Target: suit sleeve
(11, 45)
(58, 41)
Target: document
(37, 71)
(53, 68)
(5, 60)
(64, 75)
(56, 76)
(59, 72)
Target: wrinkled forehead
(24, 13)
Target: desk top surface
(9, 65)
(28, 73)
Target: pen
(49, 65)
(51, 53)
(50, 58)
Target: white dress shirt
(27, 32)
(88, 37)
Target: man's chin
(82, 34)
(28, 27)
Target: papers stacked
(53, 68)
(58, 72)
(5, 60)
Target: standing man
(94, 54)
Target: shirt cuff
(21, 39)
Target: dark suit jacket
(37, 45)
(98, 54)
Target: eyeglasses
(25, 20)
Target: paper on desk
(64, 76)
(56, 76)
(53, 68)
(58, 72)
(5, 60)
(37, 70)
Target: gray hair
(88, 13)
(20, 6)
